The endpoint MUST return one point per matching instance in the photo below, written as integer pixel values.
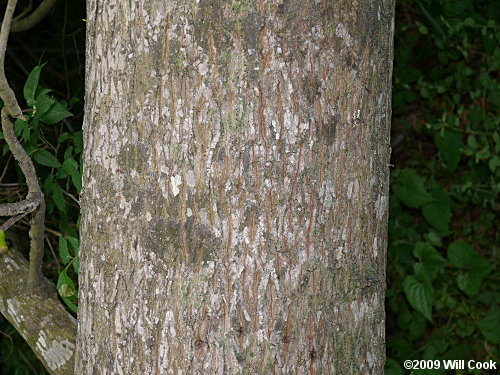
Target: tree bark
(235, 195)
(45, 324)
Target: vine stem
(34, 200)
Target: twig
(12, 221)
(5, 169)
(53, 252)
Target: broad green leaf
(438, 214)
(65, 286)
(417, 326)
(76, 264)
(461, 255)
(410, 189)
(490, 325)
(44, 157)
(61, 173)
(63, 250)
(71, 167)
(41, 91)
(431, 260)
(48, 184)
(438, 211)
(449, 145)
(434, 239)
(62, 137)
(494, 163)
(58, 197)
(420, 295)
(56, 113)
(66, 291)
(20, 126)
(471, 282)
(78, 140)
(31, 84)
(61, 279)
(74, 244)
(42, 105)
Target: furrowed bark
(235, 187)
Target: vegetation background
(443, 299)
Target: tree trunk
(234, 208)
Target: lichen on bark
(239, 151)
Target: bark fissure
(236, 174)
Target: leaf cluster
(443, 292)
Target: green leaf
(431, 260)
(58, 197)
(21, 127)
(76, 264)
(74, 244)
(65, 286)
(490, 326)
(449, 145)
(44, 157)
(31, 84)
(438, 212)
(423, 30)
(70, 304)
(48, 184)
(3, 244)
(78, 140)
(56, 113)
(41, 91)
(471, 282)
(42, 105)
(63, 250)
(410, 189)
(71, 167)
(461, 255)
(62, 137)
(420, 295)
(494, 163)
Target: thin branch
(34, 18)
(53, 252)
(12, 221)
(34, 200)
(35, 194)
(6, 93)
(5, 169)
